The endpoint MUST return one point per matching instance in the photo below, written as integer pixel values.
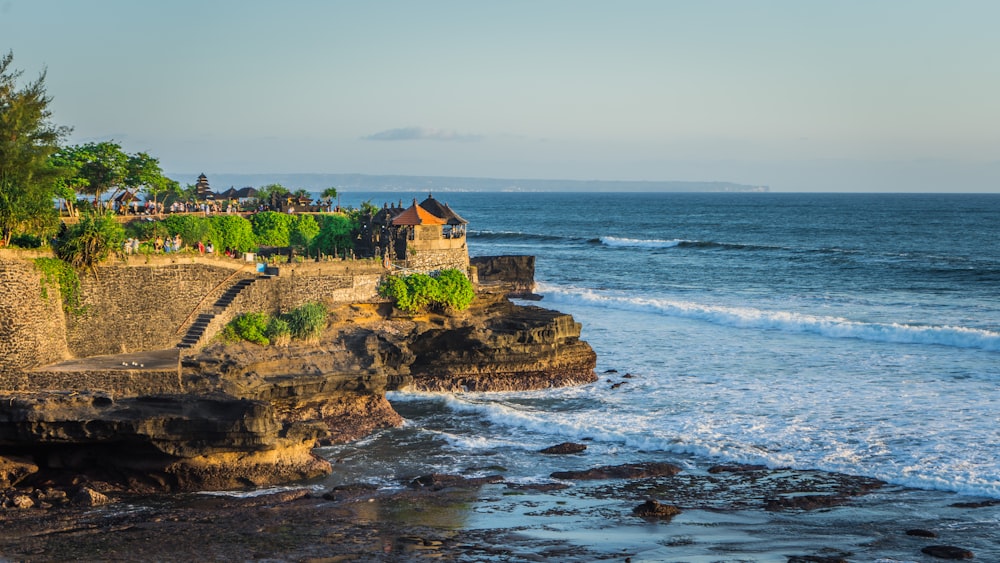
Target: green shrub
(191, 228)
(232, 231)
(308, 321)
(272, 228)
(423, 290)
(449, 290)
(455, 290)
(393, 287)
(303, 230)
(249, 326)
(146, 230)
(91, 241)
(26, 240)
(278, 331)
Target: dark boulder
(656, 509)
(564, 448)
(439, 481)
(917, 532)
(947, 552)
(736, 468)
(626, 471)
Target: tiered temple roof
(417, 215)
(442, 210)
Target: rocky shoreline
(640, 512)
(242, 415)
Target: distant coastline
(399, 183)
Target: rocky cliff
(235, 415)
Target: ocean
(851, 333)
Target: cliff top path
(154, 360)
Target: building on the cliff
(202, 189)
(424, 236)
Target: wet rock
(19, 500)
(815, 559)
(438, 481)
(52, 496)
(540, 487)
(89, 497)
(564, 448)
(14, 469)
(628, 376)
(619, 384)
(947, 552)
(736, 468)
(917, 532)
(804, 502)
(348, 491)
(626, 471)
(981, 504)
(655, 509)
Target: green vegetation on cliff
(57, 272)
(302, 323)
(91, 241)
(448, 290)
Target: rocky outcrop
(237, 415)
(497, 346)
(512, 275)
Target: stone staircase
(216, 316)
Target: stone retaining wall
(32, 328)
(117, 383)
(130, 308)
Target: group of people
(205, 207)
(166, 245)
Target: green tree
(303, 230)
(272, 228)
(336, 234)
(100, 167)
(143, 173)
(273, 194)
(27, 140)
(191, 228)
(329, 195)
(232, 232)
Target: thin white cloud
(421, 134)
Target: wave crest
(638, 243)
(751, 318)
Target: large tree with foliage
(27, 139)
(143, 173)
(97, 167)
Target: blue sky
(798, 95)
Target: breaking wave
(752, 318)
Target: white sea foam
(752, 318)
(638, 243)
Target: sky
(798, 95)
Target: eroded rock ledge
(243, 415)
